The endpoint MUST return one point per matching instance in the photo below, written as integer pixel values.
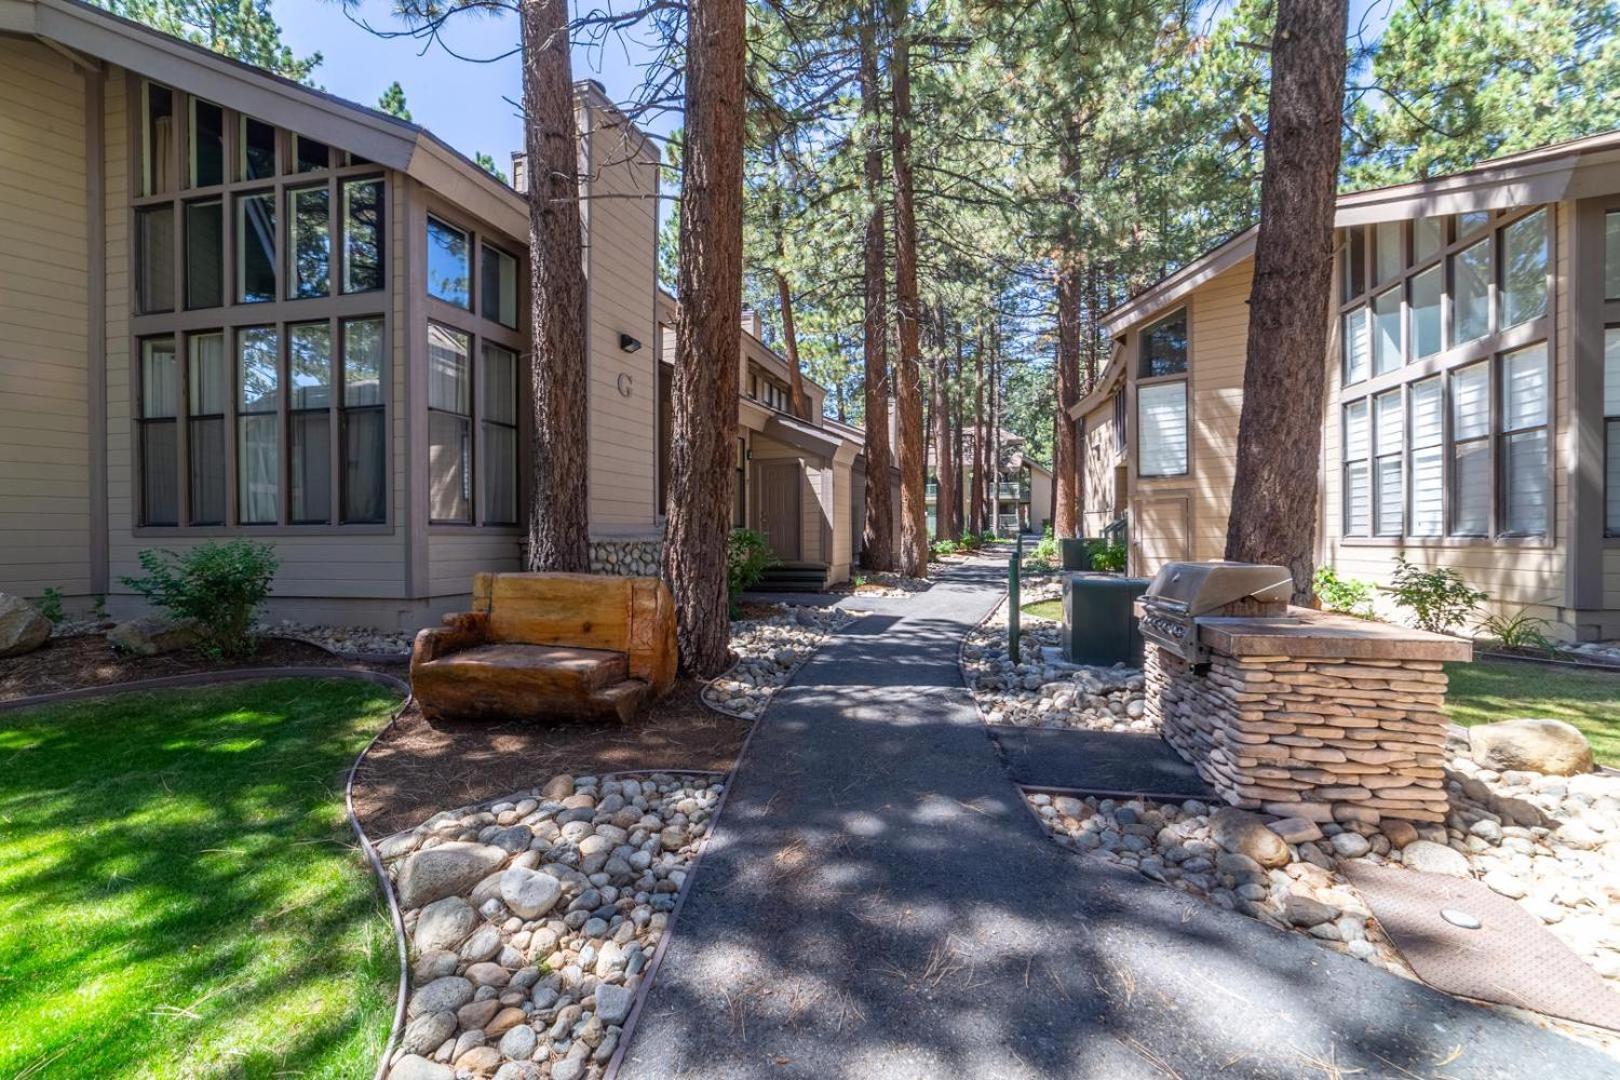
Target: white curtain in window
(1525, 506)
(160, 379)
(210, 384)
(1357, 477)
(1471, 489)
(1389, 438)
(449, 370)
(258, 469)
(1428, 461)
(1355, 431)
(1162, 417)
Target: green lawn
(179, 891)
(1486, 690)
(1046, 609)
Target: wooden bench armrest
(461, 631)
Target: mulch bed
(77, 662)
(419, 768)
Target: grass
(179, 891)
(1486, 690)
(1045, 609)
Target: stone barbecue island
(1307, 714)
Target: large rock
(1537, 745)
(424, 1034)
(444, 871)
(1429, 857)
(22, 628)
(529, 893)
(153, 635)
(444, 924)
(441, 995)
(416, 1067)
(613, 1003)
(1243, 833)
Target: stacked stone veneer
(1319, 737)
(628, 557)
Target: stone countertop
(1304, 632)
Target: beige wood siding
(1159, 526)
(1219, 329)
(45, 518)
(1101, 457)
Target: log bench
(542, 646)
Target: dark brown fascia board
(374, 135)
(1105, 384)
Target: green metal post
(1012, 599)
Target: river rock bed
(1042, 692)
(532, 921)
(1552, 843)
(884, 583)
(768, 652)
(346, 640)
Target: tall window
(205, 254)
(1164, 347)
(1428, 477)
(310, 155)
(209, 388)
(449, 425)
(1471, 293)
(498, 287)
(498, 429)
(1387, 331)
(1357, 478)
(159, 432)
(1524, 441)
(449, 269)
(1387, 253)
(1471, 451)
(1611, 425)
(1389, 441)
(157, 140)
(258, 141)
(309, 210)
(258, 445)
(309, 369)
(207, 143)
(1162, 425)
(1524, 270)
(1357, 346)
(1426, 290)
(1611, 255)
(154, 243)
(364, 428)
(362, 235)
(255, 248)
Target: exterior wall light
(628, 343)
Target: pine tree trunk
(945, 464)
(877, 534)
(976, 493)
(957, 493)
(992, 444)
(1284, 379)
(559, 525)
(703, 448)
(798, 402)
(1065, 457)
(908, 374)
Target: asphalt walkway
(876, 902)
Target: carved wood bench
(539, 646)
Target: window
(1426, 290)
(154, 242)
(362, 235)
(1164, 347)
(449, 425)
(157, 140)
(309, 421)
(255, 248)
(1524, 441)
(1524, 270)
(365, 450)
(309, 210)
(208, 384)
(1611, 427)
(497, 412)
(1471, 222)
(310, 156)
(205, 254)
(449, 273)
(1161, 411)
(1357, 493)
(159, 432)
(1428, 458)
(1389, 443)
(258, 149)
(1471, 293)
(1355, 263)
(1428, 237)
(1387, 251)
(207, 143)
(739, 513)
(258, 456)
(1471, 451)
(1611, 255)
(498, 288)
(1357, 361)
(1387, 331)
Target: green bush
(748, 556)
(49, 604)
(1045, 549)
(1520, 630)
(220, 586)
(1347, 596)
(1438, 599)
(1110, 557)
(945, 547)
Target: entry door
(779, 506)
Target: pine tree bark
(957, 492)
(877, 534)
(992, 440)
(908, 373)
(976, 487)
(703, 447)
(558, 521)
(945, 462)
(1273, 516)
(1065, 456)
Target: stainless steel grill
(1183, 592)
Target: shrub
(1438, 599)
(1520, 630)
(1345, 595)
(748, 556)
(1046, 548)
(945, 547)
(1108, 556)
(220, 586)
(49, 604)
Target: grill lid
(1197, 588)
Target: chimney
(752, 323)
(519, 176)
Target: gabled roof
(80, 28)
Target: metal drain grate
(1511, 959)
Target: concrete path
(876, 902)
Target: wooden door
(778, 493)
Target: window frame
(1162, 381)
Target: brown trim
(414, 335)
(95, 158)
(1587, 440)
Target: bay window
(449, 425)
(159, 432)
(1357, 478)
(1161, 414)
(258, 458)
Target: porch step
(794, 577)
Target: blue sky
(460, 101)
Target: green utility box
(1076, 552)
(1099, 619)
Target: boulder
(22, 628)
(424, 1034)
(445, 870)
(153, 635)
(1296, 830)
(1243, 833)
(444, 924)
(416, 1067)
(441, 995)
(529, 893)
(1534, 745)
(1428, 857)
(613, 1003)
